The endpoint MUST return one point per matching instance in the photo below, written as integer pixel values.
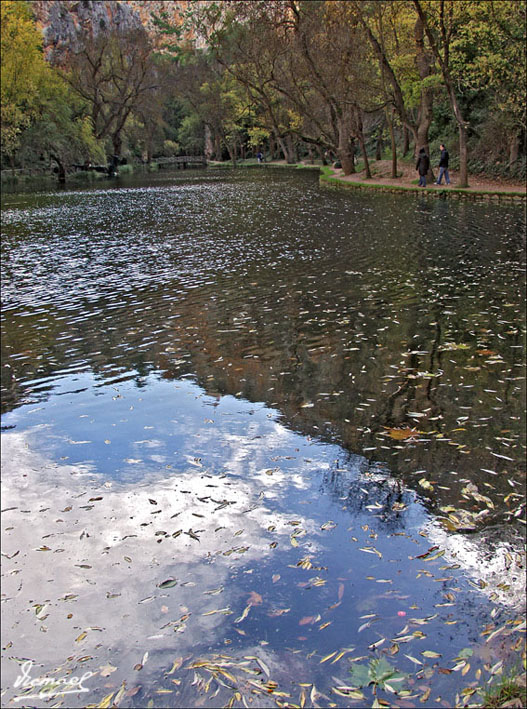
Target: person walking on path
(443, 165)
(423, 164)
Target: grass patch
(510, 692)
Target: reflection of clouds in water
(494, 558)
(111, 545)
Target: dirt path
(381, 171)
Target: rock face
(65, 22)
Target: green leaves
(378, 672)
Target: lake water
(263, 443)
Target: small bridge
(182, 161)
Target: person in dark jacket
(443, 165)
(423, 164)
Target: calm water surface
(259, 438)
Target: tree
(61, 129)
(406, 66)
(116, 74)
(23, 68)
(488, 59)
(440, 22)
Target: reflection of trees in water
(335, 354)
(368, 490)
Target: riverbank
(479, 186)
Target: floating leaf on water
(243, 615)
(278, 612)
(255, 599)
(328, 525)
(120, 694)
(451, 346)
(425, 695)
(414, 660)
(465, 669)
(175, 665)
(214, 591)
(371, 550)
(107, 670)
(308, 619)
(106, 702)
(401, 434)
(424, 483)
(328, 657)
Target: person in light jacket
(443, 165)
(423, 165)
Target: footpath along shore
(479, 187)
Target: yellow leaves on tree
(22, 70)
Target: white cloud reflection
(98, 550)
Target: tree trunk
(272, 147)
(514, 149)
(321, 155)
(117, 144)
(362, 144)
(379, 146)
(346, 146)
(393, 145)
(232, 152)
(292, 157)
(287, 149)
(347, 160)
(406, 140)
(424, 61)
(463, 153)
(209, 147)
(61, 169)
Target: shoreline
(480, 189)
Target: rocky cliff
(65, 22)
